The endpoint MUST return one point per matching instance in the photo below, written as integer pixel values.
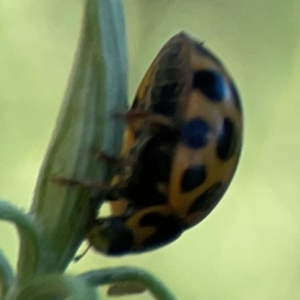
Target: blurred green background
(249, 247)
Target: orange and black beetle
(182, 155)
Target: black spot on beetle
(169, 75)
(118, 237)
(194, 134)
(211, 84)
(168, 228)
(227, 140)
(167, 84)
(192, 178)
(164, 99)
(208, 199)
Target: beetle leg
(84, 183)
(118, 163)
(136, 115)
(112, 193)
(103, 156)
(132, 115)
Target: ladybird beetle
(181, 155)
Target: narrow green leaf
(29, 251)
(96, 89)
(120, 274)
(6, 275)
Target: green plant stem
(112, 275)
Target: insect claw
(103, 156)
(80, 183)
(138, 115)
(66, 181)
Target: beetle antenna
(80, 256)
